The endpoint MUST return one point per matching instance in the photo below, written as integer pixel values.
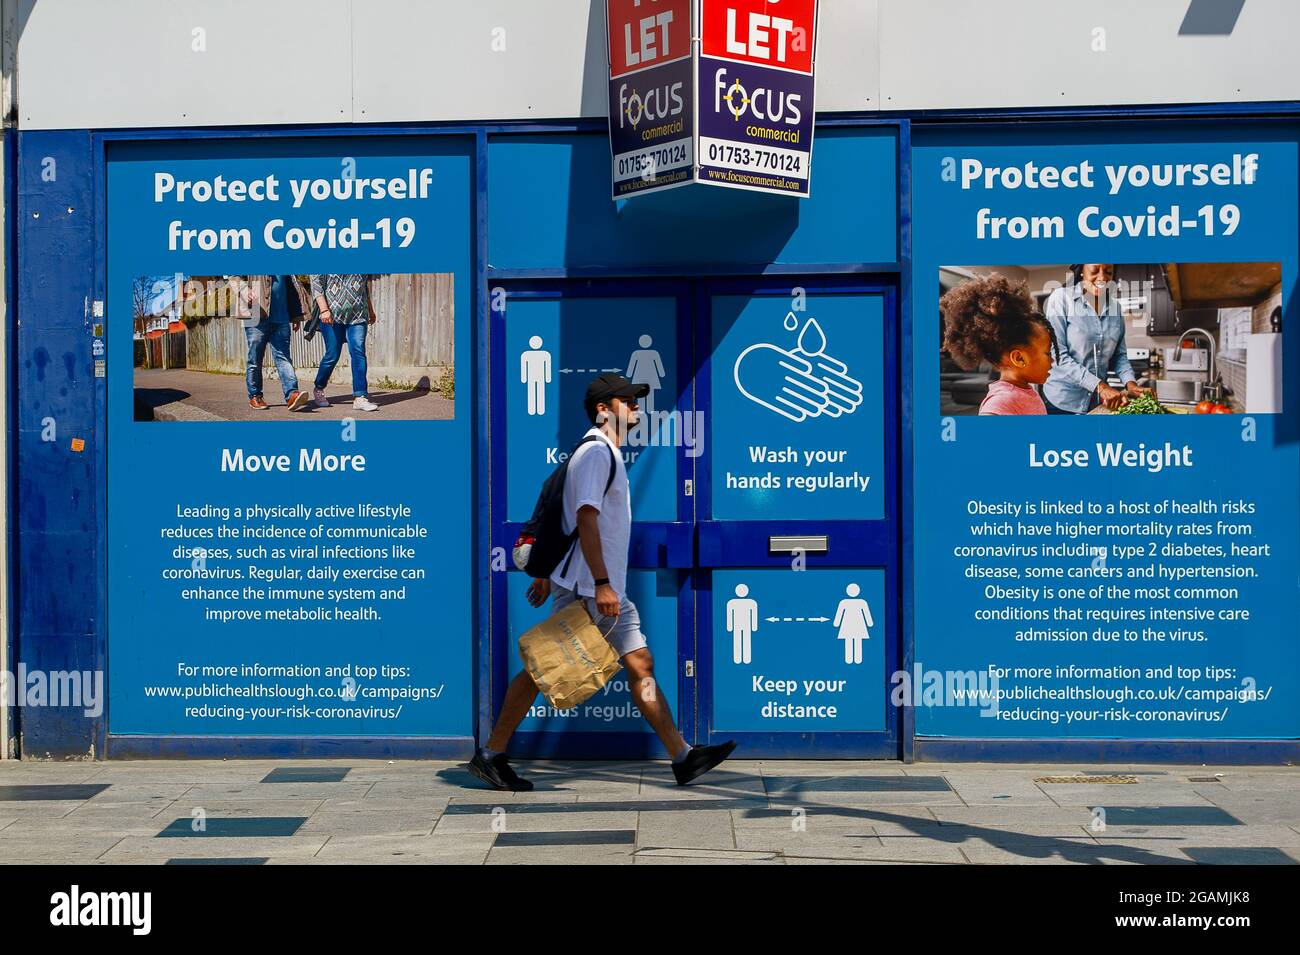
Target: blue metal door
(796, 578)
(763, 559)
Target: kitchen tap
(1212, 371)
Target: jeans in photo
(264, 333)
(355, 335)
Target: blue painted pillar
(58, 575)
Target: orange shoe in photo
(257, 404)
(297, 400)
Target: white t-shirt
(585, 484)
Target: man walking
(272, 304)
(596, 573)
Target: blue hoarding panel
(1108, 576)
(798, 652)
(851, 216)
(59, 577)
(554, 348)
(331, 596)
(797, 418)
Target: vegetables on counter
(1144, 403)
(1212, 407)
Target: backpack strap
(613, 470)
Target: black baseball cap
(614, 386)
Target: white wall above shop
(124, 63)
(994, 54)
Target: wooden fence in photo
(412, 338)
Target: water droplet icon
(812, 340)
(790, 323)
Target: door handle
(789, 543)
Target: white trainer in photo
(364, 404)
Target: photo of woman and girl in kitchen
(1041, 340)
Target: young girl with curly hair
(994, 319)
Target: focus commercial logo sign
(651, 94)
(712, 91)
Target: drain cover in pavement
(1095, 780)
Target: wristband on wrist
(601, 581)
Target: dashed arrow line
(797, 619)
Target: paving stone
(695, 829)
(307, 774)
(1279, 807)
(40, 809)
(130, 794)
(512, 821)
(121, 821)
(997, 789)
(245, 827)
(1280, 836)
(677, 860)
(650, 804)
(201, 793)
(861, 842)
(490, 797)
(368, 804)
(900, 849)
(866, 800)
(153, 851)
(722, 783)
(1239, 855)
(563, 838)
(733, 856)
(53, 848)
(1142, 794)
(246, 807)
(561, 855)
(826, 767)
(1034, 852)
(234, 860)
(342, 823)
(1014, 816)
(1169, 816)
(794, 786)
(368, 849)
(49, 792)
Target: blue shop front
(332, 580)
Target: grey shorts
(623, 632)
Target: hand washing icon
(801, 383)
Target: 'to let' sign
(767, 32)
(645, 33)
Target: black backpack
(546, 526)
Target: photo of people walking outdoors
(306, 346)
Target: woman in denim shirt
(1089, 326)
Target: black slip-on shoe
(498, 773)
(700, 760)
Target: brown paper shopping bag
(567, 656)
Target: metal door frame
(692, 539)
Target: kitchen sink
(1183, 390)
